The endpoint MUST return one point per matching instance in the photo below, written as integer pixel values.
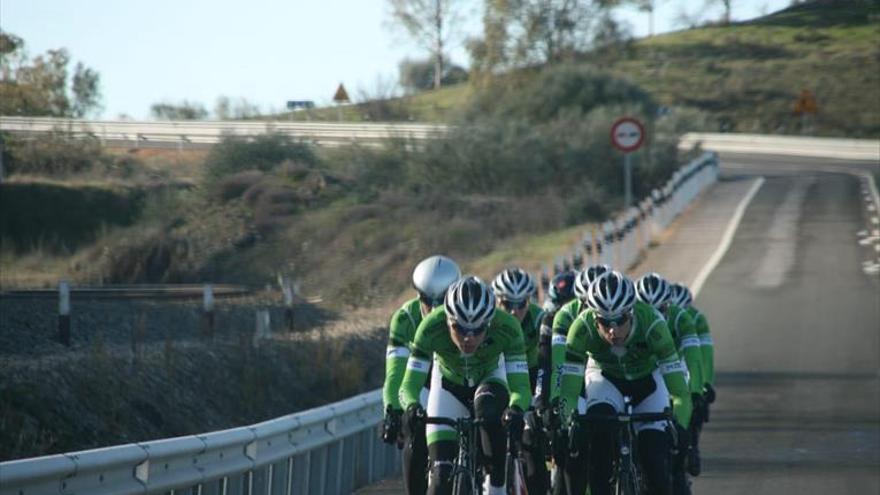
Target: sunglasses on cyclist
(514, 305)
(613, 322)
(464, 332)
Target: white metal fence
(328, 450)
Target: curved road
(796, 323)
(794, 309)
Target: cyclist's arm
(572, 371)
(517, 368)
(662, 346)
(689, 347)
(561, 323)
(417, 367)
(542, 391)
(396, 355)
(707, 349)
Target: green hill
(747, 75)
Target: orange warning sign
(341, 95)
(806, 103)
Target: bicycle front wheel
(627, 480)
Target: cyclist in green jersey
(479, 369)
(654, 290)
(682, 296)
(574, 464)
(513, 289)
(560, 292)
(631, 353)
(431, 277)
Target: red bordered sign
(627, 134)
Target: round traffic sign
(627, 134)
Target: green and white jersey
(681, 326)
(504, 338)
(648, 347)
(561, 323)
(531, 327)
(401, 333)
(707, 349)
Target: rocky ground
(141, 370)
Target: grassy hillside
(747, 75)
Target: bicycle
(467, 472)
(626, 475)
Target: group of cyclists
(467, 348)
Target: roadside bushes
(54, 154)
(263, 152)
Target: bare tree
(430, 23)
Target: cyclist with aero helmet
(654, 290)
(513, 289)
(467, 338)
(574, 464)
(431, 278)
(631, 353)
(682, 297)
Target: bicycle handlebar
(625, 418)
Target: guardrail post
(208, 311)
(263, 326)
(64, 312)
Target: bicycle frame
(626, 473)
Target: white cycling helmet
(611, 295)
(586, 277)
(680, 295)
(433, 276)
(470, 303)
(513, 284)
(653, 289)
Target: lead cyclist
(628, 351)
(467, 338)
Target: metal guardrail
(209, 132)
(845, 149)
(328, 450)
(336, 134)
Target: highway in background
(796, 322)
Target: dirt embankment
(142, 370)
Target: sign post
(627, 135)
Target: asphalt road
(796, 321)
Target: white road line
(727, 239)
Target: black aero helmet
(562, 288)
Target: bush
(233, 186)
(263, 152)
(55, 154)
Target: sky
(267, 51)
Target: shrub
(263, 152)
(233, 186)
(54, 154)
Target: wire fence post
(64, 313)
